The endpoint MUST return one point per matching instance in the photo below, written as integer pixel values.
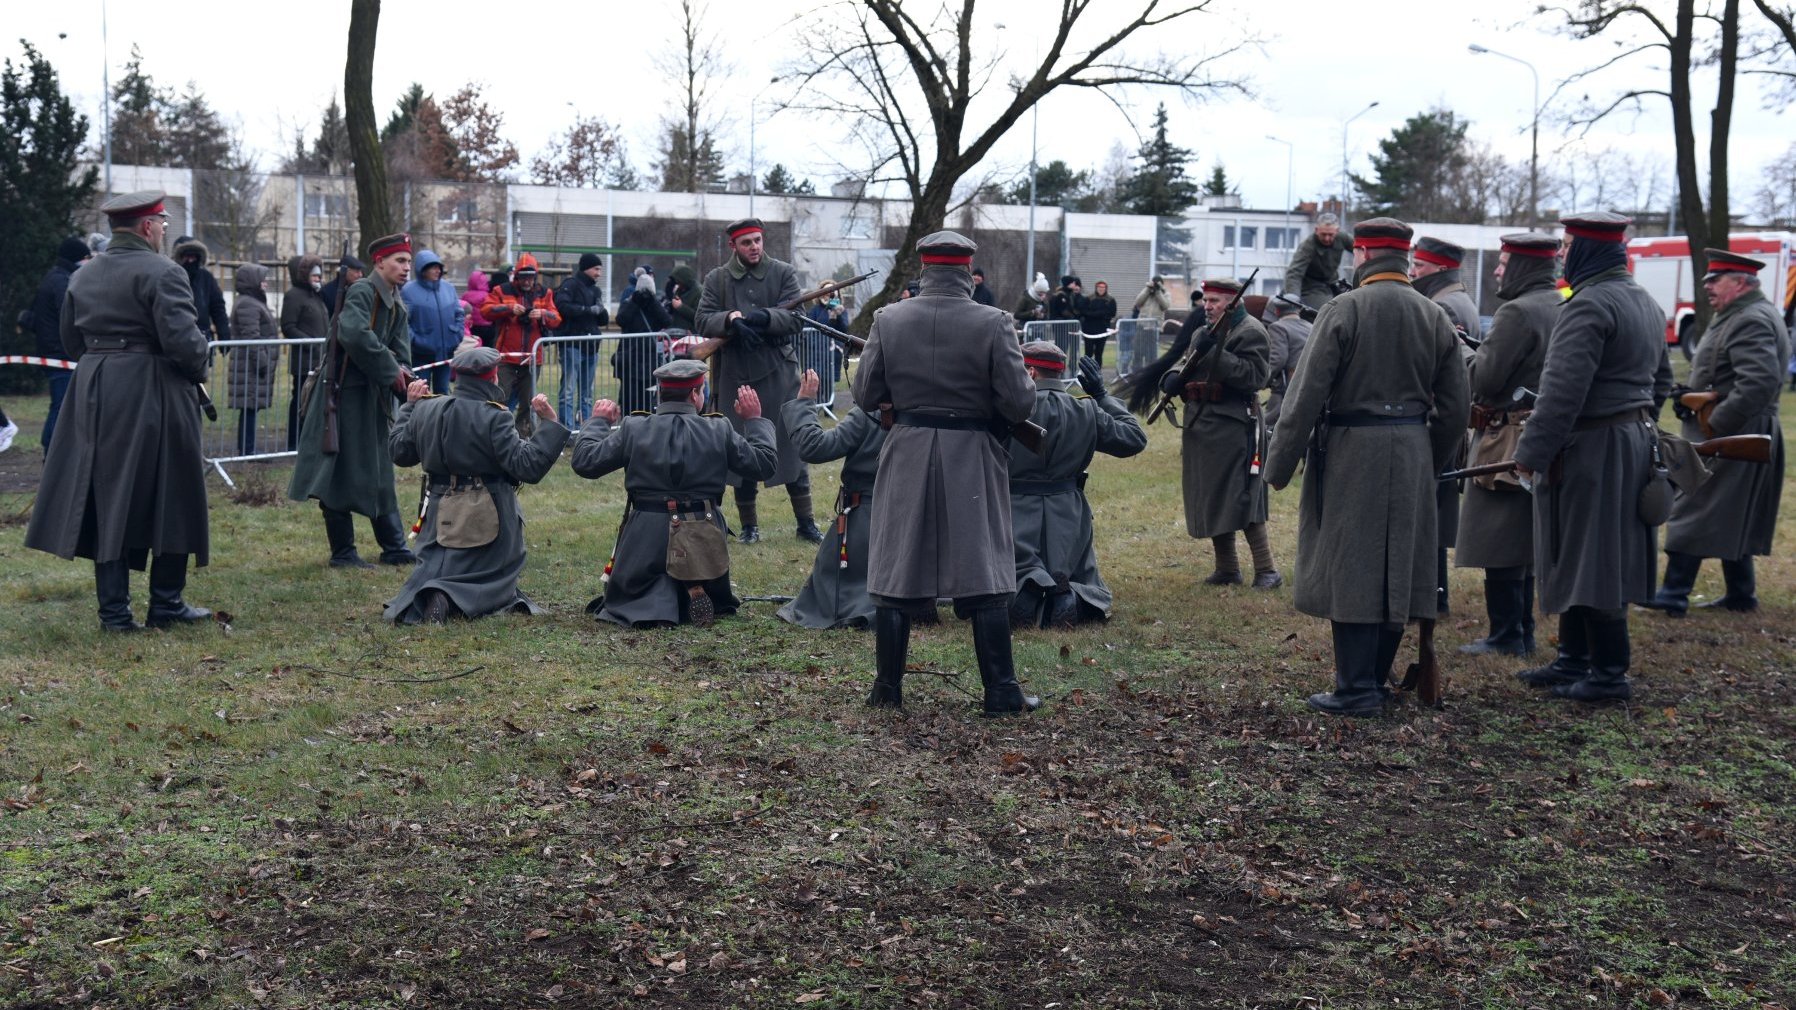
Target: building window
(327, 205)
(1247, 235)
(457, 211)
(1281, 238)
(857, 226)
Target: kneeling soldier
(835, 596)
(672, 563)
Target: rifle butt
(1744, 448)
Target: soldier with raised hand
(1587, 452)
(1733, 515)
(1315, 268)
(1496, 527)
(741, 301)
(1057, 579)
(125, 478)
(1379, 405)
(676, 462)
(950, 373)
(835, 595)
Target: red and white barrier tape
(32, 359)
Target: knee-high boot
(1572, 663)
(339, 529)
(1610, 655)
(891, 643)
(991, 644)
(1742, 587)
(112, 585)
(1673, 596)
(168, 577)
(1503, 602)
(390, 533)
(1359, 652)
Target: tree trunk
(1696, 221)
(1720, 123)
(374, 210)
(929, 212)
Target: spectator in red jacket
(522, 311)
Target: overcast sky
(272, 68)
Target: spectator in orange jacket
(521, 311)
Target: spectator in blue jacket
(434, 312)
(46, 319)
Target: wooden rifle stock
(334, 363)
(1744, 448)
(703, 350)
(1701, 403)
(1424, 675)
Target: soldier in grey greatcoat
(1315, 267)
(367, 371)
(741, 302)
(1379, 403)
(951, 375)
(1057, 580)
(1588, 452)
(470, 449)
(1496, 528)
(1286, 334)
(676, 462)
(124, 478)
(835, 596)
(1733, 515)
(1435, 273)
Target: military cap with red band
(1531, 243)
(946, 249)
(681, 374)
(381, 248)
(746, 226)
(1045, 355)
(1382, 233)
(1439, 252)
(1602, 226)
(1721, 261)
(1223, 285)
(128, 207)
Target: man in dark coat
(1068, 301)
(835, 596)
(1435, 273)
(46, 320)
(1496, 528)
(208, 298)
(681, 298)
(1096, 320)
(1286, 334)
(1587, 452)
(1057, 579)
(1315, 268)
(1733, 515)
(1379, 404)
(581, 302)
(366, 371)
(126, 478)
(742, 302)
(950, 372)
(475, 460)
(349, 270)
(303, 316)
(676, 462)
(636, 358)
(982, 294)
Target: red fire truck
(1662, 266)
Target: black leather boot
(1572, 664)
(1359, 651)
(1528, 643)
(1503, 602)
(806, 519)
(1673, 597)
(1025, 607)
(1062, 610)
(891, 643)
(749, 512)
(991, 644)
(112, 584)
(168, 576)
(1742, 587)
(390, 533)
(339, 529)
(1610, 655)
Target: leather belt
(1374, 415)
(440, 482)
(1043, 487)
(1209, 392)
(104, 346)
(1628, 416)
(665, 504)
(914, 419)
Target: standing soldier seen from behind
(951, 375)
(1221, 447)
(1314, 273)
(124, 478)
(835, 596)
(1435, 273)
(741, 302)
(1496, 528)
(1057, 579)
(344, 461)
(1733, 515)
(1375, 410)
(1286, 334)
(1588, 452)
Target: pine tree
(197, 138)
(686, 168)
(1218, 183)
(1419, 170)
(1160, 187)
(139, 135)
(1056, 185)
(779, 180)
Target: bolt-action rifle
(1188, 364)
(709, 346)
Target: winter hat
(72, 249)
(1040, 287)
(589, 260)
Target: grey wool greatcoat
(772, 368)
(676, 453)
(469, 434)
(1053, 524)
(1446, 289)
(124, 475)
(941, 522)
(1366, 528)
(1496, 527)
(1605, 361)
(376, 344)
(835, 595)
(251, 369)
(1734, 514)
(1222, 493)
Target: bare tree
(690, 161)
(591, 154)
(228, 204)
(1777, 195)
(906, 87)
(374, 211)
(478, 131)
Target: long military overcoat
(941, 522)
(1366, 527)
(377, 343)
(469, 434)
(1053, 530)
(1605, 360)
(772, 368)
(1446, 289)
(1216, 451)
(676, 453)
(835, 595)
(1734, 514)
(125, 475)
(1496, 527)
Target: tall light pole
(1533, 129)
(752, 184)
(1344, 126)
(106, 98)
(1290, 157)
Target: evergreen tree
(405, 110)
(197, 138)
(41, 138)
(329, 151)
(778, 180)
(1160, 187)
(1218, 183)
(1056, 185)
(139, 135)
(686, 167)
(1420, 171)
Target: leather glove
(1091, 377)
(759, 318)
(1172, 383)
(749, 337)
(1203, 347)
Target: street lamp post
(752, 184)
(1290, 157)
(1344, 126)
(105, 98)
(1533, 129)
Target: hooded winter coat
(208, 297)
(303, 314)
(682, 283)
(473, 299)
(432, 311)
(251, 382)
(46, 308)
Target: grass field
(316, 810)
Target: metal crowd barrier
(244, 431)
(1137, 343)
(1065, 334)
(817, 352)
